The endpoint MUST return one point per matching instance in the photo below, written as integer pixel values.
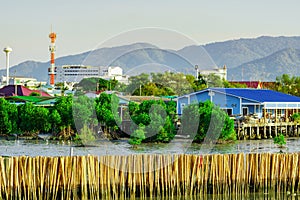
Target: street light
(7, 50)
(211, 94)
(196, 68)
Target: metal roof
(260, 95)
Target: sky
(85, 25)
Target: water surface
(121, 147)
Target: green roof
(41, 100)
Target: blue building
(244, 101)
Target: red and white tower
(52, 68)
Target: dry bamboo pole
(56, 178)
(298, 173)
(30, 173)
(170, 161)
(186, 174)
(124, 176)
(118, 172)
(260, 169)
(283, 173)
(268, 175)
(141, 176)
(114, 176)
(256, 172)
(176, 175)
(207, 172)
(107, 177)
(180, 176)
(72, 187)
(111, 174)
(194, 173)
(248, 172)
(199, 174)
(102, 175)
(241, 172)
(272, 170)
(97, 177)
(294, 171)
(227, 168)
(214, 172)
(91, 177)
(161, 175)
(134, 168)
(156, 175)
(16, 178)
(129, 177)
(166, 175)
(221, 173)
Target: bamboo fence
(121, 177)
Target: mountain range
(263, 58)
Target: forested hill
(261, 58)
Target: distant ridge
(261, 58)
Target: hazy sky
(83, 25)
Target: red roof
(19, 90)
(255, 84)
(249, 84)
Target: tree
(33, 119)
(41, 122)
(135, 82)
(64, 107)
(83, 112)
(205, 120)
(137, 136)
(107, 111)
(88, 84)
(55, 121)
(287, 84)
(157, 117)
(6, 123)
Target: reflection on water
(121, 147)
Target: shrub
(280, 140)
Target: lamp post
(196, 68)
(7, 50)
(211, 94)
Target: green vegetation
(33, 119)
(154, 121)
(157, 118)
(287, 84)
(35, 94)
(8, 117)
(85, 136)
(205, 120)
(280, 140)
(137, 136)
(296, 117)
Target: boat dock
(265, 130)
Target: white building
(75, 73)
(221, 72)
(24, 81)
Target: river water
(121, 147)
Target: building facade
(75, 73)
(221, 72)
(245, 101)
